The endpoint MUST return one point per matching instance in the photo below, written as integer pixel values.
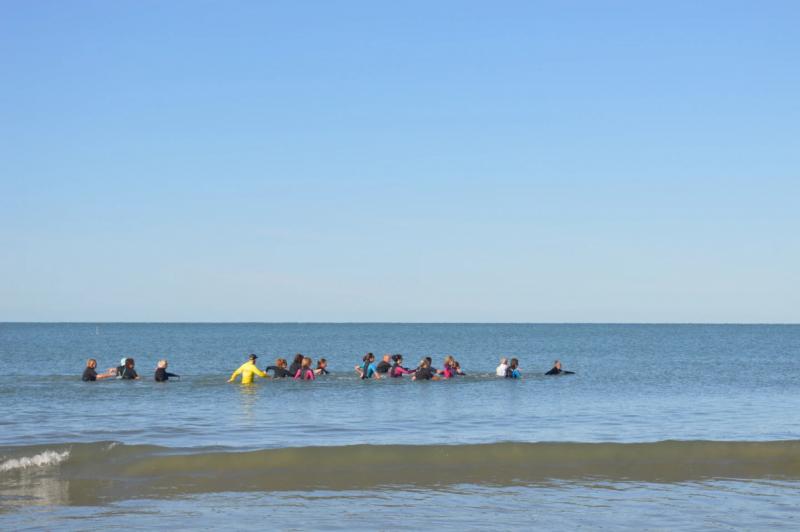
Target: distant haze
(412, 161)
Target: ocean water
(660, 427)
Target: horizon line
(86, 322)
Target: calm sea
(660, 427)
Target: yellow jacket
(246, 370)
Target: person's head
(387, 357)
(322, 363)
(514, 363)
(281, 362)
(162, 364)
(429, 360)
(425, 362)
(252, 357)
(129, 363)
(398, 358)
(369, 357)
(557, 364)
(91, 363)
(306, 363)
(298, 359)
(449, 360)
(504, 360)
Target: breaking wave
(43, 459)
(101, 472)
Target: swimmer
(512, 371)
(384, 365)
(296, 363)
(397, 369)
(279, 370)
(501, 369)
(425, 372)
(121, 367)
(247, 370)
(368, 369)
(429, 360)
(449, 370)
(90, 373)
(556, 370)
(162, 375)
(128, 372)
(322, 367)
(305, 372)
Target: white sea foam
(45, 459)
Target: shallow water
(433, 449)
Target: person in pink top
(397, 370)
(305, 373)
(451, 368)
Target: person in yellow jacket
(247, 370)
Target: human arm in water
(236, 373)
(277, 372)
(557, 371)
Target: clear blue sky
(616, 161)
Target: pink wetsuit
(308, 376)
(399, 371)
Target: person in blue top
(368, 369)
(512, 371)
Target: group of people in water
(390, 366)
(125, 371)
(302, 368)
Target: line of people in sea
(302, 368)
(125, 371)
(390, 366)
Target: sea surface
(661, 427)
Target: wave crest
(41, 460)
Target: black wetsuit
(89, 374)
(163, 375)
(127, 373)
(322, 371)
(383, 367)
(294, 367)
(555, 371)
(425, 374)
(280, 373)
